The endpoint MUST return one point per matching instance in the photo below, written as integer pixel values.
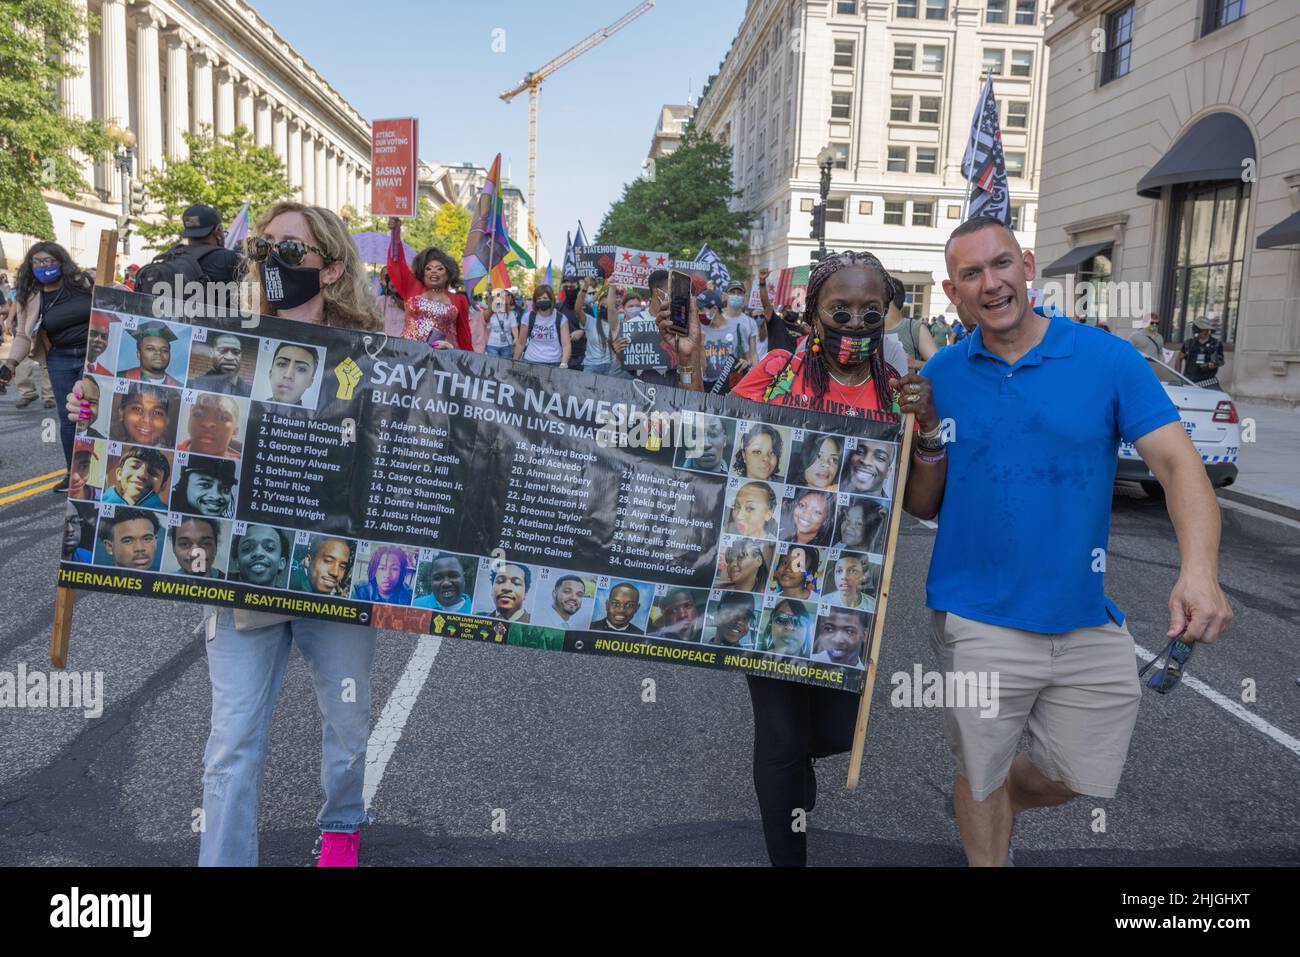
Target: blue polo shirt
(1031, 466)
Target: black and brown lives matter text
(291, 462)
(548, 500)
(414, 481)
(658, 524)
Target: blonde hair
(348, 303)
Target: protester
(202, 258)
(434, 314)
(730, 337)
(1201, 356)
(543, 335)
(599, 332)
(310, 273)
(1148, 340)
(501, 326)
(918, 345)
(1039, 615)
(392, 307)
(846, 372)
(940, 331)
(567, 305)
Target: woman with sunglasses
(53, 315)
(434, 314)
(840, 367)
(310, 272)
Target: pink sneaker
(339, 850)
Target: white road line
(388, 729)
(1232, 707)
(1257, 512)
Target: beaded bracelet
(927, 458)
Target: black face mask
(544, 305)
(288, 287)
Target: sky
(435, 61)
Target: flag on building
(983, 165)
(238, 230)
(719, 274)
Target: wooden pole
(877, 631)
(105, 272)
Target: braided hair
(816, 370)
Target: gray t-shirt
(721, 341)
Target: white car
(1211, 422)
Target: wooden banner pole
(877, 631)
(105, 272)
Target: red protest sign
(393, 163)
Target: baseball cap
(734, 285)
(200, 221)
(708, 299)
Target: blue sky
(435, 60)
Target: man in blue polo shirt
(1036, 408)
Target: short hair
(223, 470)
(239, 341)
(569, 578)
(657, 278)
(672, 594)
(106, 525)
(314, 546)
(898, 292)
(974, 225)
(618, 585)
(736, 598)
(138, 390)
(528, 575)
(285, 545)
(315, 356)
(150, 457)
(211, 523)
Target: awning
(1075, 258)
(1212, 150)
(1285, 233)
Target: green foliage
(223, 172)
(36, 140)
(446, 227)
(684, 206)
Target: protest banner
(375, 481)
(595, 262)
(394, 164)
(645, 345)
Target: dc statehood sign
(278, 466)
(394, 147)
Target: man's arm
(928, 470)
(1197, 600)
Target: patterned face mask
(852, 346)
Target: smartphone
(679, 296)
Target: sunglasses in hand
(1176, 654)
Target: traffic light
(137, 198)
(818, 221)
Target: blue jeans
(600, 368)
(247, 669)
(65, 367)
(502, 352)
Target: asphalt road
(586, 772)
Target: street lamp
(825, 160)
(124, 163)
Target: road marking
(32, 481)
(19, 496)
(1232, 707)
(1258, 512)
(388, 729)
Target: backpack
(183, 260)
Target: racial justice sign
(276, 466)
(393, 164)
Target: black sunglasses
(292, 251)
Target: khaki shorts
(1078, 693)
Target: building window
(1017, 217)
(846, 8)
(927, 159)
(900, 109)
(836, 210)
(1017, 114)
(1026, 12)
(904, 56)
(845, 51)
(907, 9)
(1119, 44)
(936, 9)
(841, 151)
(929, 112)
(1022, 62)
(76, 240)
(1210, 226)
(917, 304)
(932, 59)
(995, 61)
(1219, 13)
(1015, 163)
(996, 12)
(1096, 270)
(922, 213)
(841, 106)
(897, 162)
(895, 210)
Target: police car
(1211, 422)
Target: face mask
(631, 311)
(47, 274)
(288, 287)
(544, 305)
(850, 346)
(735, 302)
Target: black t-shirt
(577, 347)
(65, 316)
(221, 266)
(779, 335)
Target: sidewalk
(1270, 466)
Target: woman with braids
(435, 315)
(840, 367)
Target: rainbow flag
(489, 250)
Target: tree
(683, 206)
(223, 172)
(38, 144)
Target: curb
(1263, 504)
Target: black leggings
(794, 723)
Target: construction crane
(533, 84)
